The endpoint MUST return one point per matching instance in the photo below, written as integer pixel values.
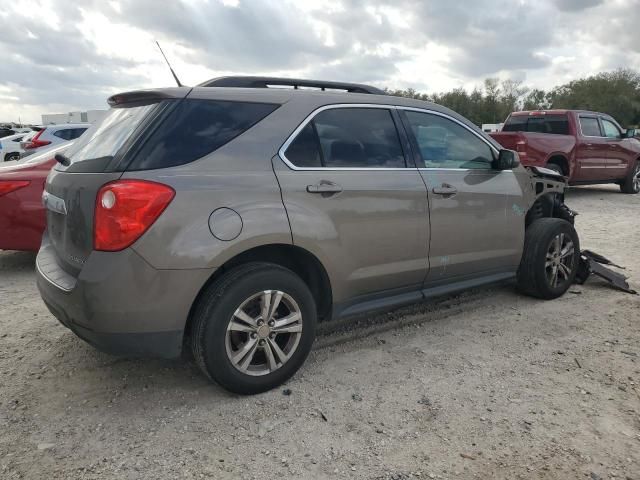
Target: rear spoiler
(141, 97)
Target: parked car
(586, 147)
(5, 132)
(22, 215)
(52, 135)
(10, 148)
(236, 218)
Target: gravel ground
(489, 384)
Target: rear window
(103, 140)
(195, 128)
(554, 124)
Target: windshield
(104, 138)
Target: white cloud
(72, 55)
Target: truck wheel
(253, 328)
(550, 258)
(632, 183)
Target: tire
(11, 156)
(535, 274)
(219, 335)
(631, 184)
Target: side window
(304, 151)
(64, 134)
(590, 127)
(195, 128)
(348, 138)
(445, 144)
(610, 129)
(75, 133)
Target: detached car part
(593, 263)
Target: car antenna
(169, 65)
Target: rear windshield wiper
(62, 159)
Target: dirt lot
(489, 384)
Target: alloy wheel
(560, 260)
(263, 332)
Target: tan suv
(234, 216)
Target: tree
(616, 93)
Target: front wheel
(254, 327)
(550, 258)
(632, 183)
(11, 156)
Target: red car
(586, 147)
(22, 215)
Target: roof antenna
(169, 65)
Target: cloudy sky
(66, 55)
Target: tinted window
(304, 151)
(64, 134)
(590, 126)
(196, 128)
(610, 129)
(349, 138)
(443, 143)
(549, 123)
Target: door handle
(589, 146)
(324, 187)
(445, 189)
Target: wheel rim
(263, 332)
(560, 260)
(636, 178)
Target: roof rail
(266, 82)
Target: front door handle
(324, 187)
(446, 190)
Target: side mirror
(507, 159)
(631, 132)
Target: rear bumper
(119, 303)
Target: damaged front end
(546, 198)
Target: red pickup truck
(586, 147)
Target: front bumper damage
(548, 189)
(593, 264)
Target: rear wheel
(632, 183)
(254, 327)
(550, 258)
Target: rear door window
(590, 127)
(195, 128)
(548, 123)
(348, 138)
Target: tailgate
(70, 200)
(508, 140)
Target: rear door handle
(445, 190)
(324, 187)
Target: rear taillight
(125, 209)
(35, 142)
(521, 148)
(8, 186)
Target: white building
(492, 127)
(90, 116)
